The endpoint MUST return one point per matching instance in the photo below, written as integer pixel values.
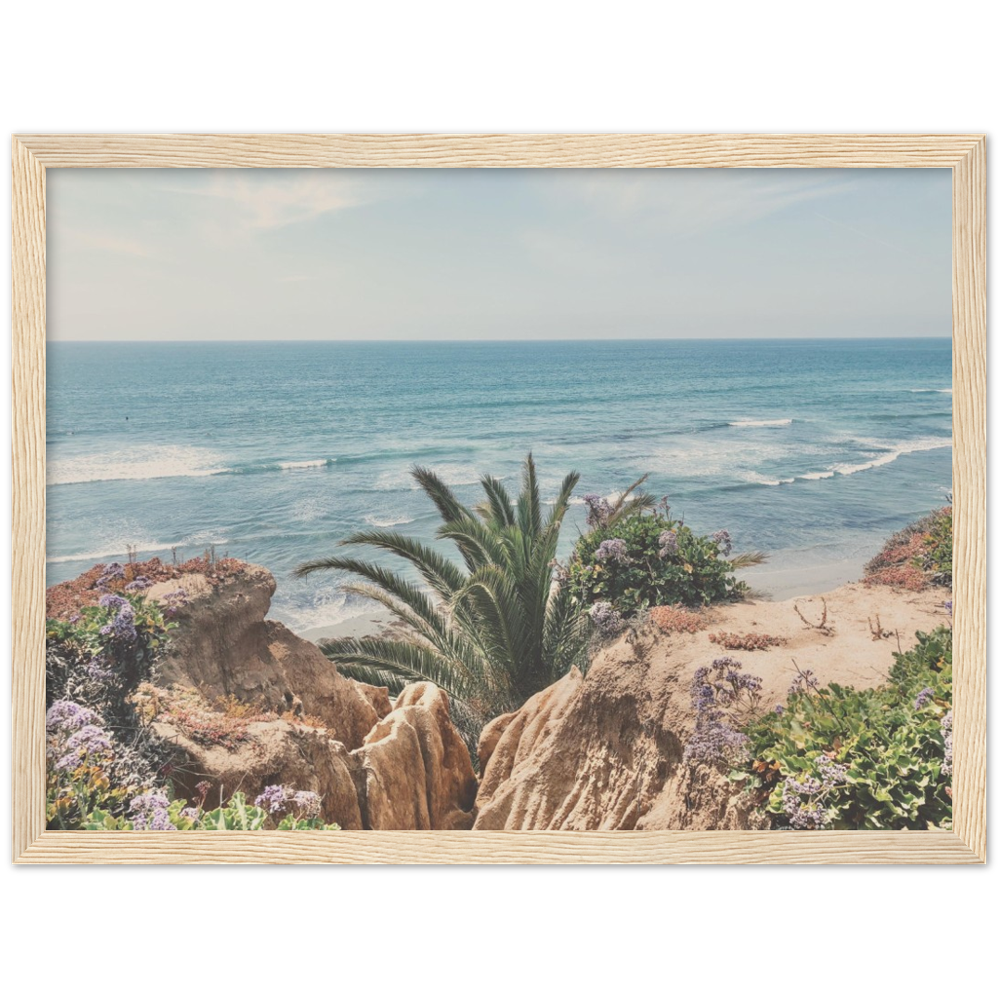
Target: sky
(425, 254)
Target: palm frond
(745, 559)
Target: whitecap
(827, 474)
(760, 480)
(150, 462)
(761, 423)
(389, 521)
(314, 463)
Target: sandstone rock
(412, 772)
(224, 646)
(417, 747)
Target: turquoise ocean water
(810, 450)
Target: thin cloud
(267, 200)
(686, 203)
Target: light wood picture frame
(965, 155)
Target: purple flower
(831, 773)
(803, 815)
(121, 628)
(190, 813)
(946, 732)
(306, 804)
(139, 583)
(598, 510)
(67, 716)
(99, 670)
(805, 680)
(723, 698)
(274, 799)
(779, 709)
(606, 619)
(922, 698)
(611, 550)
(112, 571)
(724, 541)
(668, 543)
(91, 739)
(149, 811)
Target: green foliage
(493, 630)
(693, 572)
(889, 741)
(72, 796)
(938, 540)
(237, 814)
(124, 651)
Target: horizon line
(495, 340)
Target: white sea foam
(948, 391)
(826, 474)
(150, 462)
(761, 480)
(315, 463)
(761, 423)
(387, 521)
(93, 557)
(892, 452)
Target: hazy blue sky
(488, 254)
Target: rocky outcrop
(224, 646)
(412, 771)
(604, 752)
(245, 703)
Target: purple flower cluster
(121, 628)
(612, 550)
(922, 698)
(274, 799)
(68, 717)
(606, 619)
(724, 540)
(173, 601)
(99, 670)
(831, 773)
(946, 767)
(598, 510)
(112, 571)
(807, 815)
(668, 543)
(278, 799)
(149, 811)
(805, 681)
(720, 695)
(306, 804)
(139, 583)
(84, 742)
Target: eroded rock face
(225, 646)
(413, 772)
(377, 765)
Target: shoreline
(771, 583)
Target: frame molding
(964, 154)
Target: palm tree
(491, 631)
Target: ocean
(810, 450)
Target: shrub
(645, 559)
(840, 758)
(917, 556)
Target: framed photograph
(499, 498)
